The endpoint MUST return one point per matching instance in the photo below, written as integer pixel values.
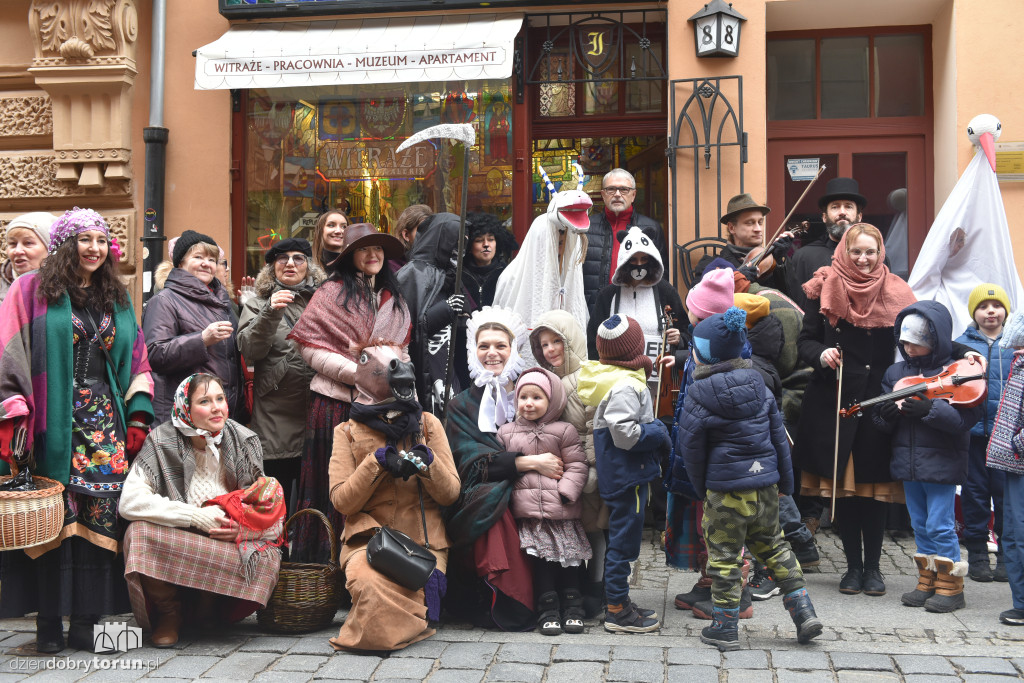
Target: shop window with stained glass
(312, 150)
(608, 66)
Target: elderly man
(841, 206)
(744, 222)
(618, 189)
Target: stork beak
(989, 145)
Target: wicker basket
(29, 518)
(307, 595)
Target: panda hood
(635, 241)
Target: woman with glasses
(281, 381)
(851, 309)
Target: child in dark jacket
(930, 439)
(739, 474)
(628, 442)
(983, 492)
(546, 503)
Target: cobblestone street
(865, 639)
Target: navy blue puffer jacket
(999, 361)
(731, 435)
(932, 449)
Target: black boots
(80, 634)
(548, 619)
(49, 634)
(572, 611)
(801, 611)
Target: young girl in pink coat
(545, 500)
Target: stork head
(570, 209)
(983, 130)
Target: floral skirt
(555, 540)
(98, 464)
(308, 539)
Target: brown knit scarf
(866, 300)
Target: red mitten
(136, 436)
(6, 434)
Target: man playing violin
(841, 206)
(744, 221)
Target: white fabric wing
(968, 244)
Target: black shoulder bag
(400, 558)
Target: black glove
(423, 452)
(457, 302)
(781, 248)
(390, 460)
(748, 272)
(888, 411)
(916, 407)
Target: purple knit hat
(714, 294)
(74, 222)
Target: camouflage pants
(751, 518)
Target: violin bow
(665, 320)
(835, 454)
(789, 215)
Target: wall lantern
(717, 30)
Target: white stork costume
(969, 242)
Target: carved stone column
(85, 61)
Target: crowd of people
(503, 412)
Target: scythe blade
(463, 132)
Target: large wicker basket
(307, 595)
(29, 518)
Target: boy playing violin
(930, 442)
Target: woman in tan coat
(388, 459)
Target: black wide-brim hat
(366, 235)
(739, 204)
(842, 188)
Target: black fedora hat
(842, 188)
(739, 204)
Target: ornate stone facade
(25, 115)
(85, 61)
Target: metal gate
(707, 120)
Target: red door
(891, 172)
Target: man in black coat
(841, 206)
(618, 189)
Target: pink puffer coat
(536, 496)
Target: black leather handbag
(400, 558)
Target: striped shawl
(1006, 444)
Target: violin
(952, 385)
(667, 386)
(761, 257)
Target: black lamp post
(717, 30)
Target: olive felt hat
(739, 204)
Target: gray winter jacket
(173, 322)
(281, 379)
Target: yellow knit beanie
(987, 291)
(756, 307)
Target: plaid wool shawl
(37, 378)
(164, 462)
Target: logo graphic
(115, 637)
(756, 468)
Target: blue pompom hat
(721, 337)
